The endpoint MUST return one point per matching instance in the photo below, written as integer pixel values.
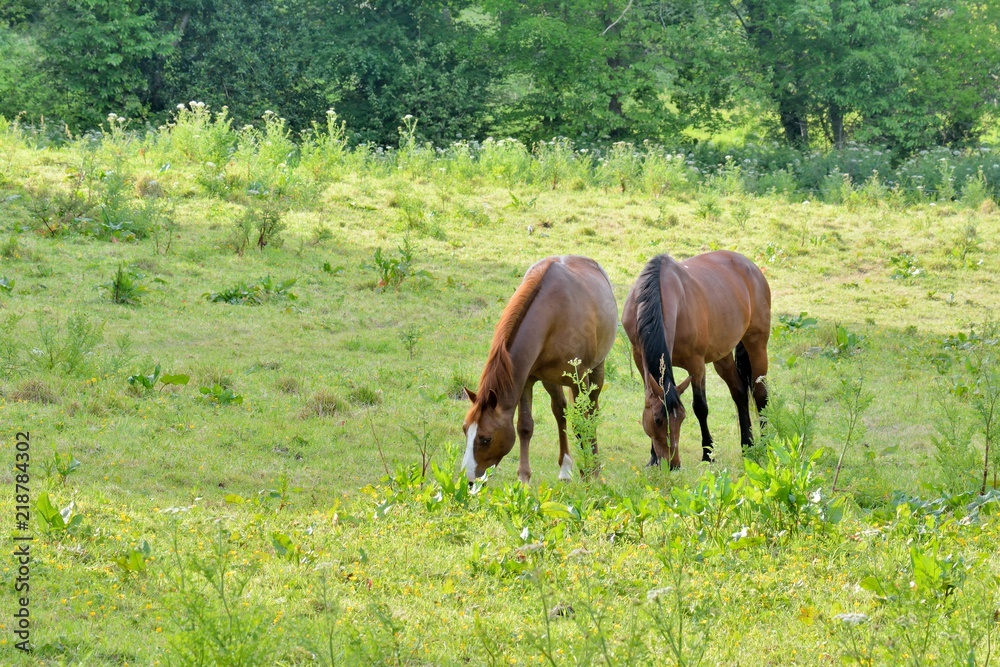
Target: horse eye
(484, 440)
(658, 420)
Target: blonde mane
(498, 373)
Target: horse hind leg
(700, 406)
(728, 370)
(755, 365)
(559, 412)
(596, 381)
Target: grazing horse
(689, 314)
(563, 310)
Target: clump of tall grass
(267, 159)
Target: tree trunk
(836, 115)
(793, 120)
(615, 105)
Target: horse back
(573, 316)
(723, 298)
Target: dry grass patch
(322, 404)
(34, 391)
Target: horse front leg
(700, 405)
(525, 429)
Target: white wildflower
(853, 618)
(656, 593)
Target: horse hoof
(566, 469)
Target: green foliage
(905, 75)
(710, 506)
(279, 497)
(976, 190)
(134, 560)
(843, 343)
(125, 288)
(11, 360)
(392, 271)
(219, 395)
(582, 420)
(54, 213)
(589, 71)
(214, 624)
(954, 453)
(905, 267)
(62, 464)
(263, 291)
(54, 521)
(122, 40)
(257, 227)
(788, 324)
(69, 350)
(672, 607)
(708, 207)
(148, 381)
(786, 490)
(854, 400)
(410, 337)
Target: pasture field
(286, 490)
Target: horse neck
(524, 350)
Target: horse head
(489, 433)
(663, 426)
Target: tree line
(905, 74)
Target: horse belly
(586, 331)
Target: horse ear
(656, 388)
(683, 385)
(491, 400)
(469, 394)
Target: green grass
(336, 553)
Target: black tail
(743, 368)
(652, 337)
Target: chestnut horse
(689, 314)
(563, 310)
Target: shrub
(70, 351)
(258, 226)
(392, 271)
(125, 288)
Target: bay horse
(712, 308)
(563, 310)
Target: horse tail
(743, 368)
(652, 332)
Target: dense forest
(900, 74)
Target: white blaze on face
(566, 469)
(469, 462)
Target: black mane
(652, 337)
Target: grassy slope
(141, 453)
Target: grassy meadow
(286, 489)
